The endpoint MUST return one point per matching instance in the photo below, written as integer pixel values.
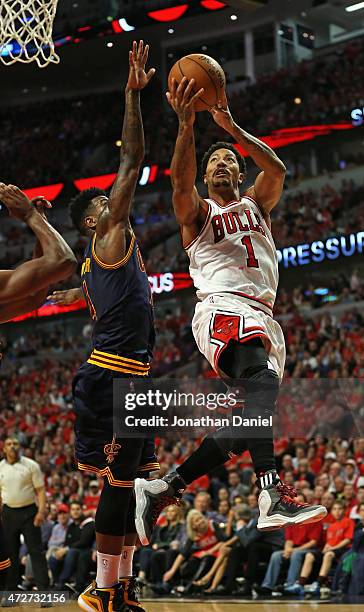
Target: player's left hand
(221, 113)
(138, 58)
(40, 203)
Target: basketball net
(26, 32)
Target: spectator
(252, 548)
(204, 540)
(299, 539)
(79, 536)
(156, 559)
(236, 487)
(21, 485)
(91, 499)
(339, 536)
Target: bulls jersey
(235, 253)
(120, 303)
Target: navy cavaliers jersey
(120, 303)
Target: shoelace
(288, 493)
(161, 504)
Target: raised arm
(56, 263)
(268, 185)
(132, 148)
(16, 308)
(186, 200)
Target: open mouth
(221, 173)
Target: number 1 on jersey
(251, 261)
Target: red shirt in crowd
(327, 521)
(339, 531)
(301, 534)
(206, 541)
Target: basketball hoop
(26, 32)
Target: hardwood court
(213, 606)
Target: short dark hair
(222, 145)
(338, 502)
(79, 204)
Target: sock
(107, 570)
(262, 454)
(322, 580)
(266, 479)
(302, 581)
(206, 458)
(126, 561)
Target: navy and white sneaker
(296, 589)
(313, 589)
(151, 497)
(278, 506)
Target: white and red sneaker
(151, 497)
(278, 507)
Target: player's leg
(148, 464)
(98, 450)
(249, 364)
(246, 365)
(4, 559)
(112, 524)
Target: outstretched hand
(65, 297)
(182, 99)
(16, 201)
(138, 58)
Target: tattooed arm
(190, 209)
(132, 147)
(268, 185)
(113, 231)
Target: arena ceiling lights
(135, 18)
(354, 7)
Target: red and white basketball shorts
(221, 318)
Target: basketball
(207, 73)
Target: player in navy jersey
(116, 288)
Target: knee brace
(228, 443)
(250, 375)
(261, 392)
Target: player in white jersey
(233, 263)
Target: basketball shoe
(111, 599)
(278, 506)
(151, 497)
(130, 590)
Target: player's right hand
(182, 100)
(65, 297)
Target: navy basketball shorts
(4, 557)
(97, 448)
